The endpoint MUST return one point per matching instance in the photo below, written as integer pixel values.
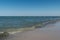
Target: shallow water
(55, 26)
(12, 23)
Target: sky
(29, 7)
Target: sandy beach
(50, 32)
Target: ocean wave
(13, 31)
(16, 30)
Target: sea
(18, 23)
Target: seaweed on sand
(4, 35)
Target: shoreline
(40, 25)
(27, 31)
(39, 34)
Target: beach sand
(50, 32)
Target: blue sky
(29, 7)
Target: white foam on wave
(14, 32)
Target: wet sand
(50, 32)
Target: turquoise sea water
(17, 22)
